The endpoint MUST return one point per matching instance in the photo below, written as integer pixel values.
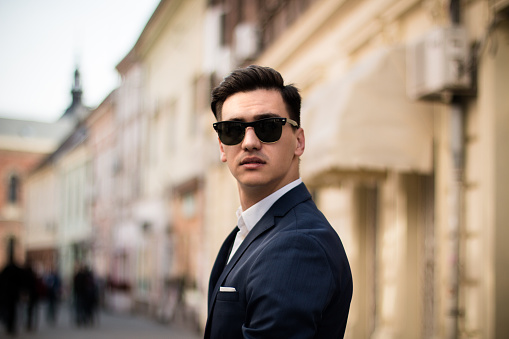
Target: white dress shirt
(247, 219)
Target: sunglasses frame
(253, 124)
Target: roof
(36, 136)
(32, 129)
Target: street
(109, 326)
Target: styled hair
(250, 79)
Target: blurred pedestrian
(85, 295)
(90, 296)
(31, 288)
(78, 294)
(11, 282)
(53, 285)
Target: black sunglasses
(267, 130)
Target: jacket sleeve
(289, 286)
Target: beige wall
(75, 213)
(101, 144)
(325, 44)
(171, 57)
(42, 217)
(172, 65)
(486, 222)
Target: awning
(364, 122)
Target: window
(13, 189)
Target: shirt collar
(247, 219)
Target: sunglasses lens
(268, 130)
(231, 133)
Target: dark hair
(252, 78)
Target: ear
(301, 142)
(221, 150)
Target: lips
(252, 161)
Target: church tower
(76, 111)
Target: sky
(43, 41)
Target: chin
(253, 183)
(251, 180)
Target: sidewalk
(109, 326)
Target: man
(12, 281)
(283, 272)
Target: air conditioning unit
(438, 63)
(245, 41)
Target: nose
(251, 141)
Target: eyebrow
(259, 117)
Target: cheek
(288, 151)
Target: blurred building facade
(405, 155)
(57, 208)
(101, 143)
(23, 144)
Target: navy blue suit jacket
(291, 277)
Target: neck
(249, 197)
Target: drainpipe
(455, 219)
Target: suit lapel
(280, 208)
(264, 224)
(220, 262)
(217, 269)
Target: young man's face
(257, 166)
